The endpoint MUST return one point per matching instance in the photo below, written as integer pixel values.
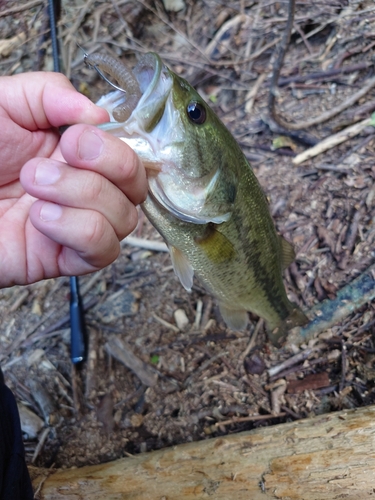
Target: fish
(203, 196)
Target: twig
(156, 246)
(42, 440)
(343, 368)
(198, 314)
(301, 356)
(20, 299)
(166, 323)
(82, 13)
(204, 367)
(327, 115)
(252, 418)
(330, 312)
(123, 353)
(325, 75)
(299, 136)
(172, 27)
(251, 95)
(279, 59)
(278, 390)
(305, 40)
(20, 8)
(228, 25)
(76, 389)
(53, 329)
(332, 141)
(92, 361)
(252, 340)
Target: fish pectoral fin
(236, 319)
(182, 267)
(215, 245)
(287, 252)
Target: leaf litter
(150, 382)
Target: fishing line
(101, 74)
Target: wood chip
(310, 382)
(9, 44)
(123, 352)
(31, 423)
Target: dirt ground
(201, 380)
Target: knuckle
(130, 222)
(94, 187)
(131, 166)
(95, 231)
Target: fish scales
(205, 199)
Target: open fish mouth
(143, 114)
(143, 94)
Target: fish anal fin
(182, 268)
(215, 245)
(287, 252)
(236, 319)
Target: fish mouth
(156, 132)
(155, 83)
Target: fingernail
(90, 145)
(50, 212)
(47, 173)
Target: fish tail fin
(277, 333)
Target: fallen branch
(320, 458)
(330, 312)
(333, 140)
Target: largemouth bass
(203, 198)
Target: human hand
(64, 202)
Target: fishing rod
(78, 337)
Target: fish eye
(196, 112)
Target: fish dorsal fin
(182, 267)
(236, 319)
(287, 253)
(215, 245)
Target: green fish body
(205, 200)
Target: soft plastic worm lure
(126, 80)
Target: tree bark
(327, 457)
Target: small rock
(333, 355)
(136, 420)
(254, 364)
(181, 319)
(174, 5)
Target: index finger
(90, 148)
(40, 100)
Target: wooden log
(327, 457)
